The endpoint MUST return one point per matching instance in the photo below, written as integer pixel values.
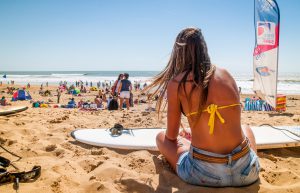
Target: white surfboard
(266, 137)
(7, 110)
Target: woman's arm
(119, 89)
(174, 112)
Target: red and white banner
(265, 56)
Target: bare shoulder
(223, 78)
(222, 73)
(173, 85)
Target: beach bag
(44, 105)
(113, 105)
(36, 105)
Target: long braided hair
(189, 55)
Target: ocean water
(288, 83)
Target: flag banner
(265, 56)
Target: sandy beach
(42, 137)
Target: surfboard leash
(13, 155)
(16, 177)
(281, 129)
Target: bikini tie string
(212, 109)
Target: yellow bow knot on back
(212, 109)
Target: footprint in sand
(59, 120)
(281, 178)
(19, 123)
(297, 120)
(90, 165)
(50, 148)
(59, 153)
(137, 120)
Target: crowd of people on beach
(109, 95)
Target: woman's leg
(249, 133)
(121, 103)
(172, 149)
(127, 103)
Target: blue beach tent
(22, 95)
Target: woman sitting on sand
(98, 101)
(220, 152)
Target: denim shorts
(241, 172)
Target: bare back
(222, 91)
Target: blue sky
(134, 34)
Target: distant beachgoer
(104, 97)
(98, 100)
(221, 152)
(139, 86)
(58, 95)
(240, 90)
(4, 102)
(72, 102)
(47, 93)
(47, 84)
(100, 92)
(72, 87)
(125, 90)
(28, 85)
(145, 84)
(116, 86)
(131, 100)
(80, 103)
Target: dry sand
(41, 137)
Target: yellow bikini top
(212, 109)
